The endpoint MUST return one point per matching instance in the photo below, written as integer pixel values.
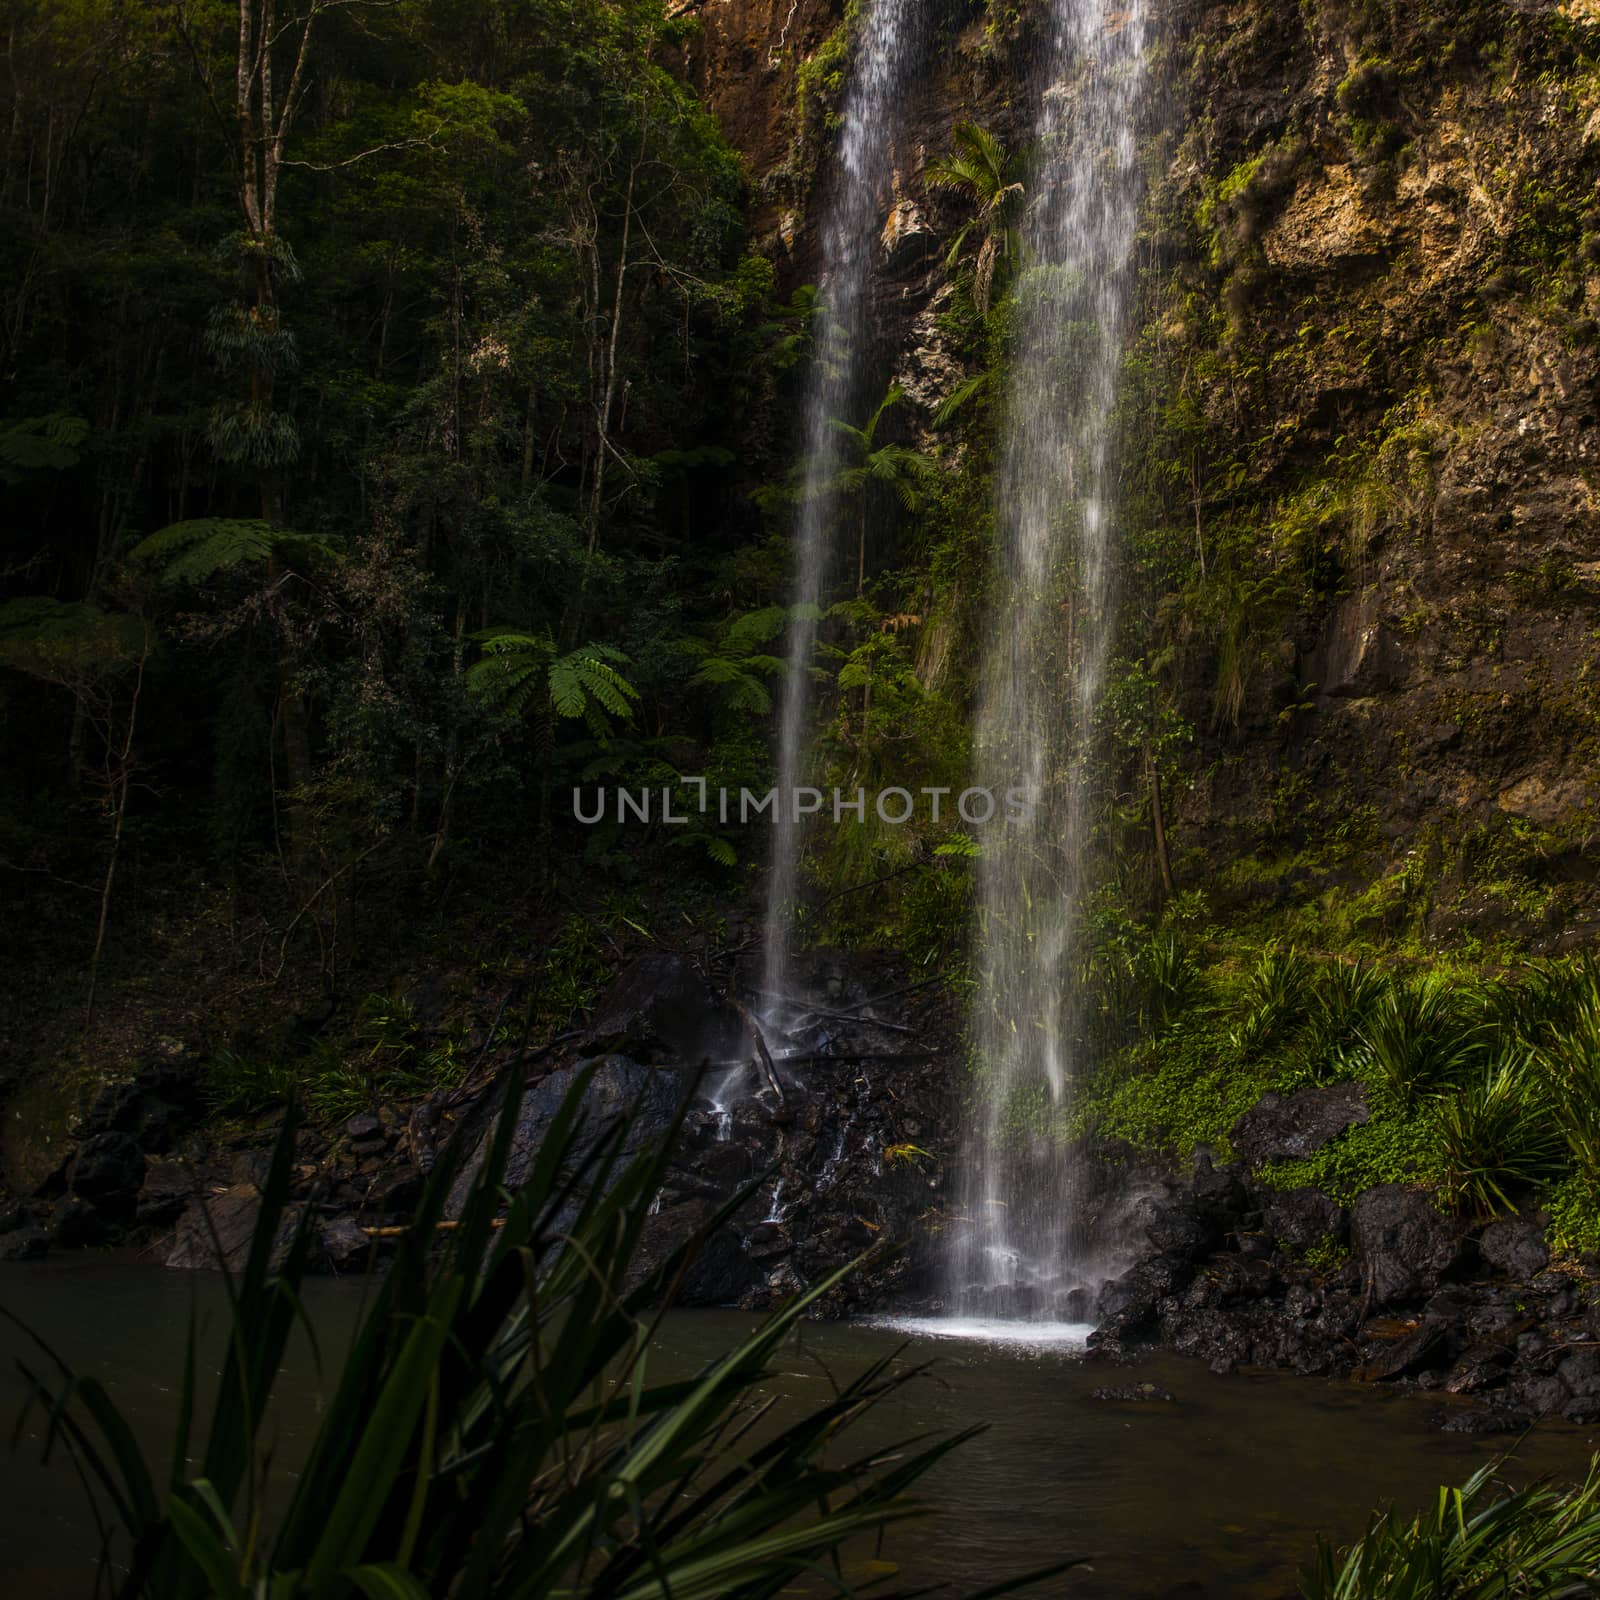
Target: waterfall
(1045, 666)
(885, 47)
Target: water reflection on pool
(1219, 1492)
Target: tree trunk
(1159, 823)
(119, 779)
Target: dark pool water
(1219, 1494)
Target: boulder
(168, 1187)
(341, 1245)
(1515, 1246)
(217, 1229)
(159, 1103)
(1130, 1302)
(1405, 1245)
(1482, 1367)
(1580, 1372)
(74, 1223)
(1485, 1420)
(1543, 1396)
(1175, 1225)
(108, 1172)
(1291, 1127)
(1426, 1350)
(661, 1009)
(1302, 1219)
(1219, 1193)
(24, 1244)
(644, 1098)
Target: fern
(736, 663)
(40, 444)
(200, 549)
(520, 670)
(68, 642)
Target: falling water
(1047, 653)
(885, 49)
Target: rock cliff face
(1402, 237)
(1369, 360)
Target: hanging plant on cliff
(980, 168)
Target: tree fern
(522, 670)
(736, 663)
(197, 550)
(40, 444)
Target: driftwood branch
(763, 1055)
(835, 1016)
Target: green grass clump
(1483, 1541)
(1484, 1089)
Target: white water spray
(886, 49)
(1045, 667)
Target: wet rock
(75, 1223)
(1483, 1366)
(661, 1009)
(1219, 1193)
(1515, 1246)
(1290, 1127)
(216, 1230)
(619, 1089)
(1483, 1421)
(1405, 1245)
(341, 1244)
(168, 1187)
(17, 1214)
(364, 1125)
(1304, 1218)
(1583, 1409)
(1498, 1316)
(24, 1244)
(1134, 1393)
(1176, 1226)
(1130, 1302)
(1543, 1396)
(1450, 1306)
(1301, 1301)
(1430, 1347)
(154, 1108)
(108, 1172)
(1580, 1372)
(1210, 1335)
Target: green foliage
(1495, 1136)
(1344, 997)
(1483, 1541)
(522, 672)
(735, 664)
(495, 1429)
(1276, 998)
(1423, 1035)
(198, 550)
(41, 444)
(69, 643)
(980, 169)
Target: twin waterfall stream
(1015, 1261)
